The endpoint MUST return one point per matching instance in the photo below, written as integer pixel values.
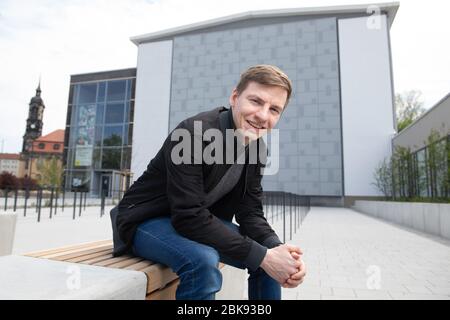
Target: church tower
(34, 121)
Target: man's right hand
(279, 262)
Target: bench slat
(112, 260)
(98, 259)
(126, 263)
(69, 255)
(140, 265)
(40, 254)
(87, 257)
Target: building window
(116, 90)
(41, 145)
(56, 146)
(422, 182)
(112, 136)
(115, 113)
(87, 93)
(111, 159)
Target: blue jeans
(196, 264)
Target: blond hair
(266, 75)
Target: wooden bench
(162, 282)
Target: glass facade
(99, 126)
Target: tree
(409, 107)
(383, 178)
(8, 181)
(402, 173)
(51, 172)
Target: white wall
(367, 103)
(151, 115)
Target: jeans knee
(202, 274)
(207, 265)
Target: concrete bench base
(34, 278)
(7, 230)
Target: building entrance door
(106, 185)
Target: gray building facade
(207, 65)
(338, 59)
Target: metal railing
(51, 198)
(285, 206)
(288, 208)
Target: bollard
(56, 200)
(74, 203)
(284, 220)
(6, 198)
(37, 199)
(25, 206)
(81, 203)
(290, 216)
(267, 205)
(51, 203)
(63, 200)
(271, 205)
(15, 200)
(295, 213)
(39, 204)
(102, 204)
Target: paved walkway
(348, 255)
(353, 256)
(61, 230)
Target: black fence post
(37, 198)
(63, 200)
(39, 205)
(51, 202)
(284, 220)
(81, 203)
(15, 200)
(290, 216)
(275, 200)
(299, 211)
(271, 205)
(74, 203)
(278, 206)
(6, 198)
(25, 205)
(56, 199)
(267, 205)
(102, 204)
(295, 213)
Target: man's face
(257, 109)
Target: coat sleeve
(250, 214)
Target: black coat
(179, 191)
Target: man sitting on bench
(179, 212)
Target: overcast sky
(58, 38)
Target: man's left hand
(297, 278)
